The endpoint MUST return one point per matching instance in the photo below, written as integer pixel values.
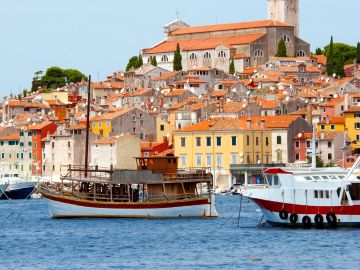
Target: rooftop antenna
(177, 14)
(87, 128)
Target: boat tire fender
(283, 214)
(293, 218)
(331, 219)
(306, 221)
(319, 220)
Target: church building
(247, 43)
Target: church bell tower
(286, 11)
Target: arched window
(301, 53)
(259, 53)
(193, 56)
(149, 59)
(286, 38)
(207, 55)
(221, 54)
(164, 58)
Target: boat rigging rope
(241, 199)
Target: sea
(30, 239)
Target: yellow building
(332, 124)
(163, 129)
(352, 125)
(56, 95)
(216, 144)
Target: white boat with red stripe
(327, 197)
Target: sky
(98, 37)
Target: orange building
(59, 108)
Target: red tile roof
(278, 121)
(227, 27)
(39, 126)
(10, 137)
(203, 44)
(110, 115)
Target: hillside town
(233, 104)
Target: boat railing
(72, 190)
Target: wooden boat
(155, 190)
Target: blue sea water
(30, 239)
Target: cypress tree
(330, 59)
(358, 53)
(153, 61)
(177, 66)
(140, 62)
(232, 67)
(281, 51)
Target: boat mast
(313, 149)
(87, 128)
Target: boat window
(316, 195)
(327, 194)
(6, 175)
(325, 177)
(308, 178)
(276, 180)
(16, 175)
(269, 179)
(341, 176)
(333, 177)
(316, 177)
(354, 190)
(321, 194)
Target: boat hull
(62, 207)
(19, 191)
(347, 216)
(3, 187)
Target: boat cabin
(165, 164)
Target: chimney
(262, 123)
(248, 123)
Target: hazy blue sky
(98, 36)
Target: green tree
(232, 67)
(24, 93)
(140, 62)
(74, 76)
(358, 53)
(319, 161)
(339, 54)
(318, 51)
(133, 62)
(53, 78)
(281, 51)
(177, 66)
(36, 81)
(153, 61)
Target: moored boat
(326, 197)
(18, 188)
(155, 190)
(3, 187)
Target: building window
(278, 139)
(34, 133)
(183, 141)
(141, 123)
(332, 127)
(29, 133)
(193, 56)
(329, 144)
(286, 38)
(233, 158)
(357, 115)
(257, 140)
(222, 54)
(183, 160)
(329, 156)
(68, 144)
(297, 156)
(218, 141)
(21, 133)
(247, 140)
(322, 127)
(208, 141)
(164, 58)
(308, 144)
(2, 155)
(357, 137)
(29, 143)
(266, 141)
(233, 140)
(297, 144)
(198, 141)
(142, 136)
(198, 159)
(259, 53)
(208, 160)
(357, 125)
(301, 53)
(34, 144)
(219, 160)
(34, 156)
(29, 155)
(162, 127)
(207, 55)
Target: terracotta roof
(175, 93)
(333, 120)
(10, 137)
(76, 127)
(240, 56)
(320, 59)
(220, 124)
(165, 76)
(19, 103)
(190, 80)
(105, 140)
(227, 27)
(333, 102)
(54, 102)
(233, 107)
(107, 85)
(219, 93)
(271, 122)
(110, 115)
(149, 145)
(39, 126)
(203, 44)
(267, 104)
